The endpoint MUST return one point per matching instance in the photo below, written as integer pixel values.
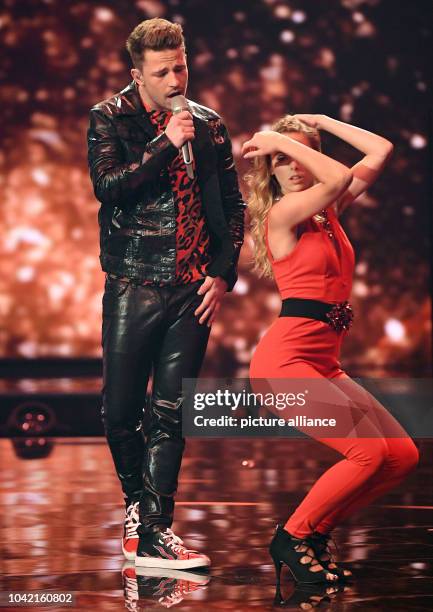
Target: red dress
(298, 347)
(318, 268)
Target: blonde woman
(296, 197)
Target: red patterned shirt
(192, 238)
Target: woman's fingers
(250, 148)
(253, 153)
(310, 120)
(246, 145)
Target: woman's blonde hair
(264, 189)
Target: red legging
(371, 467)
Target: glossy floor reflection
(61, 513)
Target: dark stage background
(365, 62)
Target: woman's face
(290, 174)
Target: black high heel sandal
(319, 542)
(299, 557)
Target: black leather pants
(148, 328)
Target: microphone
(179, 104)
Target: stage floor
(61, 521)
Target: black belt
(338, 316)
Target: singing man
(169, 245)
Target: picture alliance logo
(226, 398)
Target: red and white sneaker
(168, 587)
(165, 549)
(130, 535)
(154, 585)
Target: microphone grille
(178, 104)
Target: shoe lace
(325, 547)
(172, 599)
(328, 548)
(130, 589)
(307, 551)
(174, 541)
(182, 588)
(131, 594)
(131, 520)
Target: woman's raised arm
(333, 178)
(376, 149)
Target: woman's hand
(262, 143)
(314, 121)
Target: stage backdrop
(364, 62)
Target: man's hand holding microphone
(180, 128)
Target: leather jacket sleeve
(114, 181)
(232, 201)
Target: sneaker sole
(157, 572)
(170, 563)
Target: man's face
(164, 74)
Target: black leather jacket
(129, 170)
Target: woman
(296, 196)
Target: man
(169, 247)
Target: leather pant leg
(131, 326)
(179, 355)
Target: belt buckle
(340, 316)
